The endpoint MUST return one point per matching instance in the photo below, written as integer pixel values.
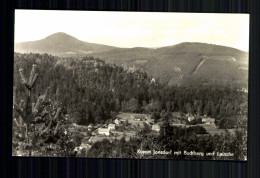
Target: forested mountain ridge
(175, 64)
(93, 91)
(172, 65)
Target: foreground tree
(40, 128)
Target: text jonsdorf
(186, 153)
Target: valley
(127, 126)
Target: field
(130, 117)
(114, 135)
(211, 129)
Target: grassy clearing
(211, 129)
(130, 117)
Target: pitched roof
(103, 129)
(208, 120)
(155, 126)
(191, 118)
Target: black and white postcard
(138, 85)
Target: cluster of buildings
(208, 120)
(106, 131)
(204, 119)
(154, 127)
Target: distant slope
(174, 65)
(60, 44)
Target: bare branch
(33, 80)
(40, 101)
(33, 72)
(21, 113)
(57, 127)
(57, 113)
(46, 129)
(24, 81)
(46, 94)
(37, 105)
(16, 122)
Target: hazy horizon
(135, 29)
(134, 46)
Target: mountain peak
(60, 36)
(61, 44)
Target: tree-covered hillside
(93, 91)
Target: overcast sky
(135, 29)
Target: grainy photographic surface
(130, 85)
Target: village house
(138, 117)
(103, 131)
(156, 128)
(208, 120)
(111, 126)
(152, 81)
(90, 127)
(191, 118)
(117, 122)
(179, 125)
(66, 116)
